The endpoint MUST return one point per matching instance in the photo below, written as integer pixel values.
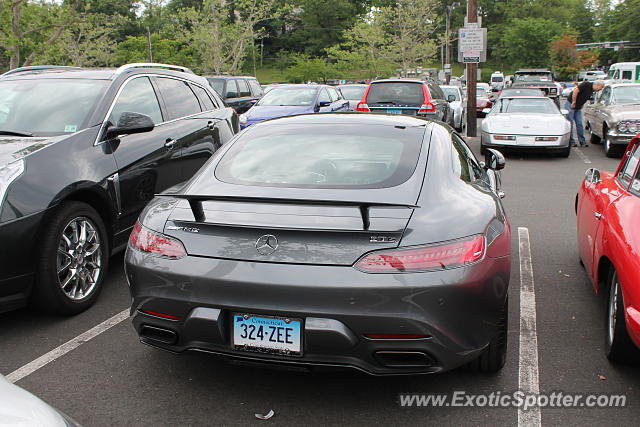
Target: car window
(333, 94)
(629, 168)
(448, 91)
(408, 93)
(68, 105)
(606, 96)
(217, 85)
(231, 90)
(464, 164)
(137, 96)
(256, 89)
(626, 75)
(205, 100)
(635, 184)
(243, 87)
(178, 97)
(324, 96)
(435, 91)
(322, 156)
(353, 93)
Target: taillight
(163, 315)
(362, 106)
(427, 108)
(443, 256)
(154, 243)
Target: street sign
(472, 45)
(447, 67)
(470, 59)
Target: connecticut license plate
(394, 111)
(278, 335)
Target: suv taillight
(446, 255)
(427, 108)
(362, 106)
(154, 243)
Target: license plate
(266, 334)
(394, 111)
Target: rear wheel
(618, 345)
(494, 356)
(73, 260)
(611, 150)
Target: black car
(238, 92)
(82, 151)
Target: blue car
(290, 100)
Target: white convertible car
(526, 122)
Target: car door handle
(598, 215)
(169, 143)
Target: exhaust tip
(154, 333)
(404, 359)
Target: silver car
(353, 93)
(614, 117)
(457, 102)
(526, 122)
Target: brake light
(163, 315)
(154, 243)
(362, 106)
(447, 255)
(427, 108)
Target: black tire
(594, 139)
(565, 153)
(494, 356)
(617, 343)
(610, 150)
(48, 294)
(483, 149)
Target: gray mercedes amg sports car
(352, 240)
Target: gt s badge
(187, 229)
(381, 239)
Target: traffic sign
(471, 40)
(470, 59)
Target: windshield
(396, 93)
(521, 92)
(497, 79)
(627, 94)
(281, 96)
(525, 105)
(48, 107)
(217, 85)
(323, 156)
(451, 91)
(534, 77)
(353, 93)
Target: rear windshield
(353, 93)
(525, 105)
(396, 93)
(533, 77)
(322, 156)
(451, 91)
(522, 92)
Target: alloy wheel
(613, 308)
(79, 258)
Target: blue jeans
(575, 117)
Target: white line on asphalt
(528, 375)
(581, 155)
(65, 348)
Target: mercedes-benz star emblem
(267, 244)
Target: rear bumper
(457, 310)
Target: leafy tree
(526, 41)
(566, 60)
(317, 69)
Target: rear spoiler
(195, 202)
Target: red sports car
(608, 210)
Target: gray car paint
(457, 308)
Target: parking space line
(528, 381)
(581, 155)
(65, 348)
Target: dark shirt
(585, 94)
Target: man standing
(577, 98)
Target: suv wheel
(618, 345)
(494, 356)
(73, 260)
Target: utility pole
(472, 77)
(446, 41)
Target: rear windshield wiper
(15, 133)
(384, 102)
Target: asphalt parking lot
(114, 380)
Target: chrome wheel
(613, 308)
(79, 258)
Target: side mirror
(129, 123)
(451, 98)
(494, 159)
(592, 175)
(486, 110)
(324, 103)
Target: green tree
(526, 41)
(315, 70)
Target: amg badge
(382, 239)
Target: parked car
(353, 93)
(624, 71)
(76, 170)
(457, 102)
(18, 407)
(238, 92)
(608, 210)
(591, 75)
(540, 78)
(614, 117)
(526, 122)
(497, 81)
(289, 100)
(366, 241)
(483, 102)
(407, 97)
